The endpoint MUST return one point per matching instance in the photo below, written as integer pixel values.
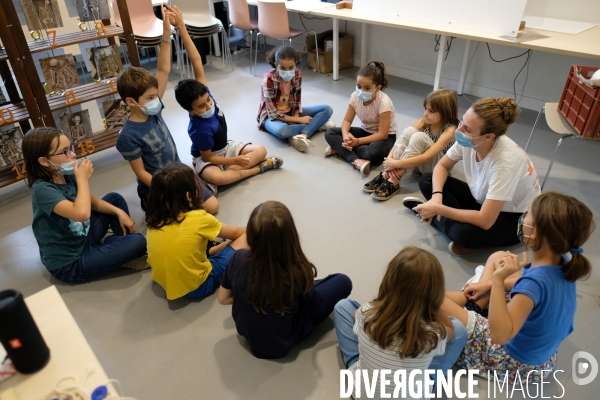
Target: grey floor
(189, 349)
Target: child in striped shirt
(403, 327)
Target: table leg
(336, 49)
(463, 69)
(440, 61)
(363, 46)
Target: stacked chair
(147, 29)
(201, 24)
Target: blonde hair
(134, 81)
(496, 113)
(445, 103)
(406, 308)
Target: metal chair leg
(256, 52)
(553, 157)
(542, 111)
(251, 53)
(316, 50)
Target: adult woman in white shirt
(500, 182)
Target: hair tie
(574, 251)
(372, 65)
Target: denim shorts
(218, 262)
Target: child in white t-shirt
(377, 133)
(399, 330)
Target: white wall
(410, 55)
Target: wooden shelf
(67, 39)
(101, 141)
(19, 112)
(83, 93)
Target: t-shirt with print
(208, 133)
(372, 357)
(284, 101)
(369, 115)
(61, 240)
(177, 253)
(505, 174)
(550, 321)
(150, 140)
(270, 335)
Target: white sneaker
(300, 142)
(329, 152)
(362, 166)
(327, 125)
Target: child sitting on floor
(145, 140)
(276, 300)
(377, 133)
(217, 160)
(281, 112)
(419, 146)
(178, 232)
(520, 339)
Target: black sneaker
(385, 191)
(372, 186)
(412, 202)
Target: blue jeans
(320, 115)
(374, 151)
(344, 324)
(219, 262)
(98, 259)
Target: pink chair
(273, 22)
(240, 19)
(147, 29)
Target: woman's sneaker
(385, 191)
(459, 250)
(270, 163)
(329, 152)
(412, 202)
(300, 142)
(372, 186)
(327, 125)
(362, 166)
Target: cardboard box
(326, 57)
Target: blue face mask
(152, 107)
(287, 75)
(65, 168)
(207, 114)
(363, 96)
(464, 140)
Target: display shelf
(83, 93)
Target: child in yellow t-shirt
(178, 232)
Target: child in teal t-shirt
(69, 223)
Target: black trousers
(456, 194)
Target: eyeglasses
(66, 153)
(521, 224)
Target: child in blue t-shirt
(145, 140)
(522, 336)
(217, 160)
(69, 223)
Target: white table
(585, 44)
(70, 353)
(300, 6)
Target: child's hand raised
(83, 169)
(175, 16)
(509, 265)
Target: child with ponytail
(522, 336)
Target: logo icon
(582, 363)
